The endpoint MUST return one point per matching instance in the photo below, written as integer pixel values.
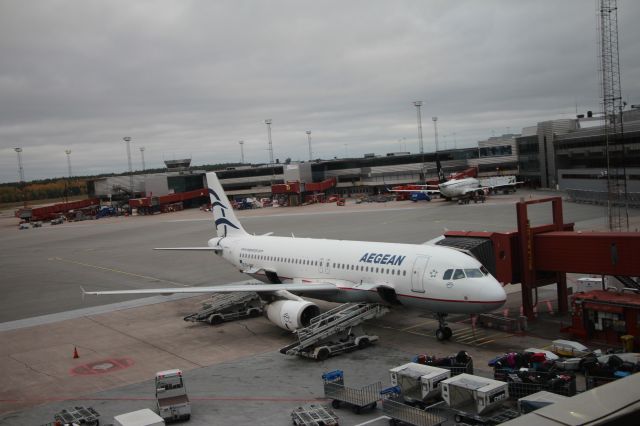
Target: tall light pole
(127, 139)
(142, 155)
(418, 104)
(68, 152)
(435, 130)
(20, 168)
(268, 122)
(308, 132)
(241, 152)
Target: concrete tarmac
(234, 373)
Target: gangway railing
(224, 306)
(336, 321)
(342, 321)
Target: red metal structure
(606, 316)
(54, 210)
(146, 203)
(537, 256)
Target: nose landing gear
(443, 332)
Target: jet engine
(292, 314)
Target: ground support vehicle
(418, 383)
(477, 399)
(359, 399)
(228, 307)
(171, 396)
(393, 406)
(78, 415)
(335, 331)
(313, 415)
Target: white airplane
(466, 188)
(433, 278)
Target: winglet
(83, 292)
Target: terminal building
(565, 154)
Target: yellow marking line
(418, 325)
(477, 339)
(466, 333)
(117, 271)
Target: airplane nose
(495, 293)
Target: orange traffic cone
(75, 353)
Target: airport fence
(602, 197)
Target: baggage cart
(79, 415)
(418, 383)
(525, 382)
(313, 415)
(358, 398)
(496, 417)
(401, 413)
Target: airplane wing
(190, 248)
(424, 190)
(258, 288)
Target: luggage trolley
(359, 399)
(78, 415)
(399, 412)
(313, 415)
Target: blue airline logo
(382, 259)
(223, 220)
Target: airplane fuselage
(456, 188)
(434, 278)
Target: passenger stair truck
(335, 331)
(171, 396)
(419, 383)
(228, 307)
(477, 399)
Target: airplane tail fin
(227, 224)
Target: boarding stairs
(628, 282)
(332, 323)
(223, 303)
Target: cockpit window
(458, 274)
(473, 273)
(484, 270)
(447, 274)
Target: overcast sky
(192, 78)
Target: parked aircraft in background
(433, 278)
(463, 187)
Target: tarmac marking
(117, 271)
(418, 325)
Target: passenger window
(447, 274)
(458, 274)
(404, 273)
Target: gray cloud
(191, 78)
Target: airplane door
(419, 268)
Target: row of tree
(41, 190)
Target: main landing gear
(443, 332)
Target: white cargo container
(418, 382)
(144, 417)
(474, 394)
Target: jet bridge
(335, 331)
(537, 256)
